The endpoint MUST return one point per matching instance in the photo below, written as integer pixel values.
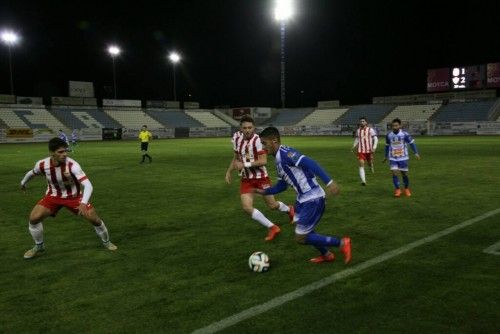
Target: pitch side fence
(416, 128)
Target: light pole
(114, 51)
(283, 11)
(174, 58)
(10, 38)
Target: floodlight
(9, 37)
(113, 50)
(174, 57)
(283, 10)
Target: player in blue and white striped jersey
(396, 150)
(298, 171)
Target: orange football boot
(273, 232)
(291, 214)
(346, 249)
(407, 192)
(329, 257)
(397, 192)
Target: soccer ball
(259, 262)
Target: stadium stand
(421, 112)
(495, 111)
(34, 118)
(226, 118)
(374, 112)
(465, 112)
(80, 118)
(174, 118)
(322, 117)
(207, 118)
(289, 116)
(133, 118)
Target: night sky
(347, 50)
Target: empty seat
(374, 112)
(465, 112)
(174, 118)
(35, 118)
(289, 116)
(207, 119)
(82, 118)
(133, 118)
(322, 117)
(420, 112)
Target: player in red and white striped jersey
(65, 179)
(366, 144)
(250, 160)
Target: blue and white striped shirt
(301, 178)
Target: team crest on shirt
(67, 174)
(293, 156)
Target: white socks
(36, 231)
(102, 232)
(362, 174)
(283, 207)
(258, 216)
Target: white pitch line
(493, 249)
(278, 301)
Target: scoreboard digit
(458, 78)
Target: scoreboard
(471, 77)
(463, 77)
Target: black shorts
(144, 146)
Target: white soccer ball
(259, 262)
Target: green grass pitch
(184, 243)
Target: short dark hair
(396, 120)
(145, 126)
(363, 117)
(246, 118)
(270, 132)
(56, 143)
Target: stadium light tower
(174, 58)
(114, 51)
(283, 11)
(10, 38)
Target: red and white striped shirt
(63, 181)
(365, 138)
(248, 150)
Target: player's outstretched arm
(87, 192)
(355, 144)
(279, 187)
(314, 167)
(414, 149)
(261, 161)
(231, 167)
(29, 175)
(387, 147)
(331, 187)
(375, 143)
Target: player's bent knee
(273, 205)
(247, 209)
(300, 238)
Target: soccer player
(299, 171)
(250, 159)
(366, 144)
(396, 150)
(74, 138)
(65, 178)
(145, 136)
(64, 137)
